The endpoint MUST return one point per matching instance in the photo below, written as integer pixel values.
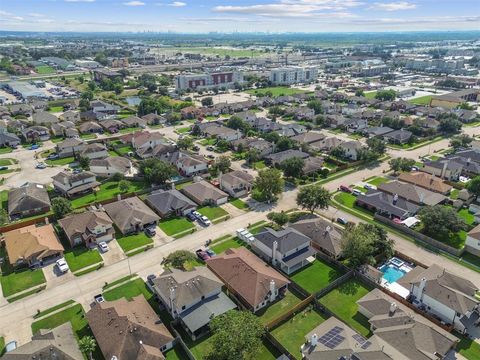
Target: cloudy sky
(199, 16)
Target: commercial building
(293, 75)
(208, 80)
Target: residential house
(21, 109)
(287, 249)
(472, 243)
(60, 129)
(290, 130)
(412, 193)
(36, 133)
(28, 200)
(246, 276)
(8, 138)
(356, 125)
(333, 339)
(144, 142)
(94, 151)
(131, 215)
(90, 127)
(154, 119)
(313, 165)
(379, 131)
(263, 147)
(44, 118)
(444, 295)
(49, 344)
(398, 136)
(448, 169)
(71, 184)
(170, 202)
(129, 329)
(326, 144)
(324, 235)
(192, 297)
(70, 147)
(72, 116)
(308, 138)
(387, 205)
(88, 228)
(400, 332)
(351, 149)
(426, 181)
(134, 121)
(103, 107)
(204, 193)
(278, 158)
(32, 245)
(161, 151)
(236, 183)
(189, 164)
(112, 126)
(106, 167)
(221, 132)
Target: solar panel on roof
(359, 338)
(366, 345)
(332, 338)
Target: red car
(203, 255)
(345, 188)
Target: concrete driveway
(114, 254)
(54, 277)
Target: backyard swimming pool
(391, 273)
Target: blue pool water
(391, 274)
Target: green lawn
(129, 290)
(53, 308)
(130, 242)
(123, 150)
(378, 180)
(76, 316)
(88, 136)
(422, 100)
(276, 91)
(207, 142)
(4, 199)
(466, 216)
(81, 257)
(454, 194)
(128, 129)
(108, 190)
(278, 308)
(315, 276)
(370, 94)
(468, 348)
(259, 165)
(183, 130)
(176, 353)
(60, 162)
(7, 162)
(55, 109)
(346, 199)
(2, 345)
(291, 334)
(14, 282)
(44, 70)
(227, 244)
(212, 212)
(239, 204)
(182, 185)
(5, 150)
(342, 301)
(175, 225)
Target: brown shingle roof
(130, 212)
(426, 181)
(247, 274)
(128, 329)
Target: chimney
(328, 229)
(421, 288)
(172, 301)
(393, 307)
(395, 199)
(273, 291)
(422, 198)
(314, 340)
(47, 221)
(274, 252)
(444, 170)
(119, 197)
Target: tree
(123, 186)
(118, 88)
(237, 335)
(185, 142)
(253, 155)
(236, 122)
(269, 183)
(401, 164)
(84, 162)
(465, 106)
(292, 167)
(118, 177)
(61, 207)
(386, 95)
(474, 186)
(279, 218)
(208, 101)
(178, 259)
(440, 221)
(449, 125)
(316, 106)
(222, 145)
(156, 171)
(284, 143)
(3, 216)
(272, 137)
(460, 141)
(376, 145)
(363, 242)
(359, 92)
(313, 197)
(87, 345)
(222, 164)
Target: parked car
(41, 165)
(62, 265)
(77, 171)
(210, 252)
(204, 220)
(53, 156)
(12, 345)
(345, 188)
(210, 156)
(210, 148)
(103, 246)
(202, 255)
(356, 192)
(196, 148)
(342, 221)
(3, 167)
(191, 217)
(150, 278)
(196, 214)
(150, 231)
(34, 147)
(99, 298)
(370, 187)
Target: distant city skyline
(199, 16)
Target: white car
(205, 220)
(103, 246)
(370, 187)
(62, 265)
(197, 214)
(41, 165)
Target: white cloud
(134, 3)
(36, 15)
(177, 4)
(394, 6)
(293, 8)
